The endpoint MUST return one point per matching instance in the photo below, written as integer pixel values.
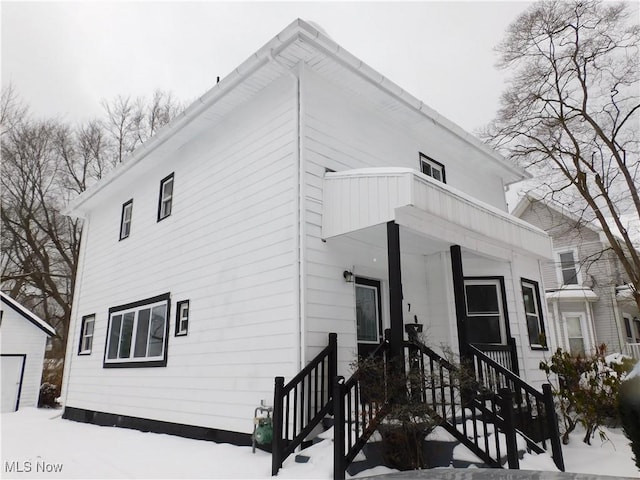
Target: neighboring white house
(303, 194)
(23, 339)
(587, 289)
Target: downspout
(299, 213)
(69, 353)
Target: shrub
(629, 410)
(588, 388)
(48, 395)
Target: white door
(11, 368)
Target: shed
(23, 339)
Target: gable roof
(299, 43)
(37, 321)
(530, 198)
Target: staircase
(485, 408)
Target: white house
(303, 194)
(590, 301)
(23, 339)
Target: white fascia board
(44, 326)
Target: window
(533, 313)
(569, 273)
(137, 334)
(182, 318)
(575, 327)
(125, 219)
(166, 197)
(486, 322)
(86, 334)
(434, 169)
(627, 328)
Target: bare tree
(46, 163)
(571, 111)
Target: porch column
(458, 293)
(395, 291)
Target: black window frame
(542, 334)
(126, 204)
(179, 331)
(162, 215)
(140, 362)
(428, 160)
(83, 326)
(502, 292)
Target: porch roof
(357, 199)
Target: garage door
(12, 369)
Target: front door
(486, 322)
(368, 315)
(485, 319)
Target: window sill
(539, 347)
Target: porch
(440, 257)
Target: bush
(588, 388)
(629, 410)
(48, 395)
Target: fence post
(506, 407)
(339, 466)
(277, 442)
(552, 423)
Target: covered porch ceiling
(358, 199)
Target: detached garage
(23, 339)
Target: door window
(368, 310)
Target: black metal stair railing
(357, 413)
(482, 426)
(301, 404)
(533, 411)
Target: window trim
(576, 263)
(126, 204)
(180, 332)
(140, 363)
(163, 182)
(535, 286)
(432, 163)
(83, 334)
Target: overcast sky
(64, 57)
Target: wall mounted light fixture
(348, 276)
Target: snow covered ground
(37, 443)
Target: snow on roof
(300, 42)
(572, 292)
(33, 318)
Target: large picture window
(533, 313)
(137, 334)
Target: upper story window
(137, 334)
(568, 268)
(434, 169)
(166, 197)
(182, 318)
(86, 334)
(533, 313)
(125, 219)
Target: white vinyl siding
(229, 247)
(21, 337)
